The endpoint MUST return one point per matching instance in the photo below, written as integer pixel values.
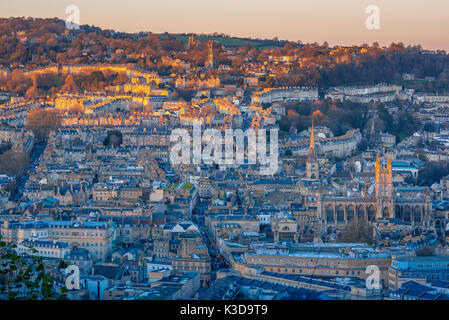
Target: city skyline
(258, 151)
(342, 23)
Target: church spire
(312, 169)
(378, 174)
(389, 172)
(312, 138)
(312, 151)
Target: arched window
(360, 213)
(386, 212)
(398, 212)
(417, 214)
(329, 214)
(350, 212)
(407, 213)
(371, 213)
(340, 214)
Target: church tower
(191, 42)
(210, 58)
(384, 191)
(312, 168)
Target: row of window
(434, 265)
(91, 244)
(308, 271)
(304, 262)
(73, 233)
(41, 252)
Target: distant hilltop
(229, 41)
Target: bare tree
(14, 162)
(41, 122)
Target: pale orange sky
(335, 21)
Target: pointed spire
(389, 165)
(312, 137)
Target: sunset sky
(334, 21)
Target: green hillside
(230, 41)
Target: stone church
(409, 205)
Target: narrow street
(21, 181)
(217, 262)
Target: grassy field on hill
(231, 41)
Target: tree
(362, 145)
(425, 251)
(121, 78)
(114, 138)
(432, 172)
(62, 264)
(429, 127)
(23, 275)
(32, 92)
(96, 80)
(77, 107)
(136, 107)
(14, 162)
(42, 122)
(319, 118)
(11, 186)
(69, 85)
(18, 82)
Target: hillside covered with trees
(30, 43)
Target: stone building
(385, 201)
